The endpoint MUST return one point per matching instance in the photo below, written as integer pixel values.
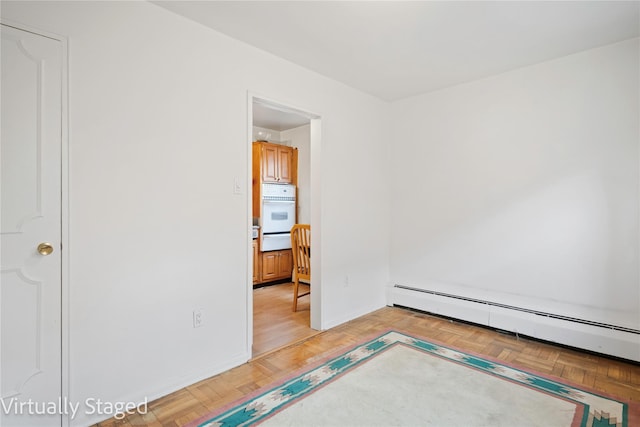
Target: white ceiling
(275, 119)
(397, 49)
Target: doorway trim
(65, 323)
(315, 122)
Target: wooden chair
(301, 250)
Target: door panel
(30, 195)
(270, 163)
(284, 165)
(269, 265)
(285, 267)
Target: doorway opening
(294, 135)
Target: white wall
(158, 109)
(523, 188)
(300, 138)
(274, 134)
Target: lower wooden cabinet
(256, 263)
(276, 265)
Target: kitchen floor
(274, 323)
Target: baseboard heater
(611, 339)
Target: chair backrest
(301, 250)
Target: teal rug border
(598, 409)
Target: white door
(30, 202)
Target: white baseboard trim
(592, 336)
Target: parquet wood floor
(603, 374)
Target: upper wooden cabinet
(277, 162)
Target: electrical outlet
(346, 281)
(197, 318)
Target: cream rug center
(405, 386)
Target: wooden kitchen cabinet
(286, 263)
(276, 265)
(277, 162)
(256, 263)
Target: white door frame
(315, 143)
(64, 204)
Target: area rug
(399, 380)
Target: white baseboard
(609, 341)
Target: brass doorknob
(45, 248)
